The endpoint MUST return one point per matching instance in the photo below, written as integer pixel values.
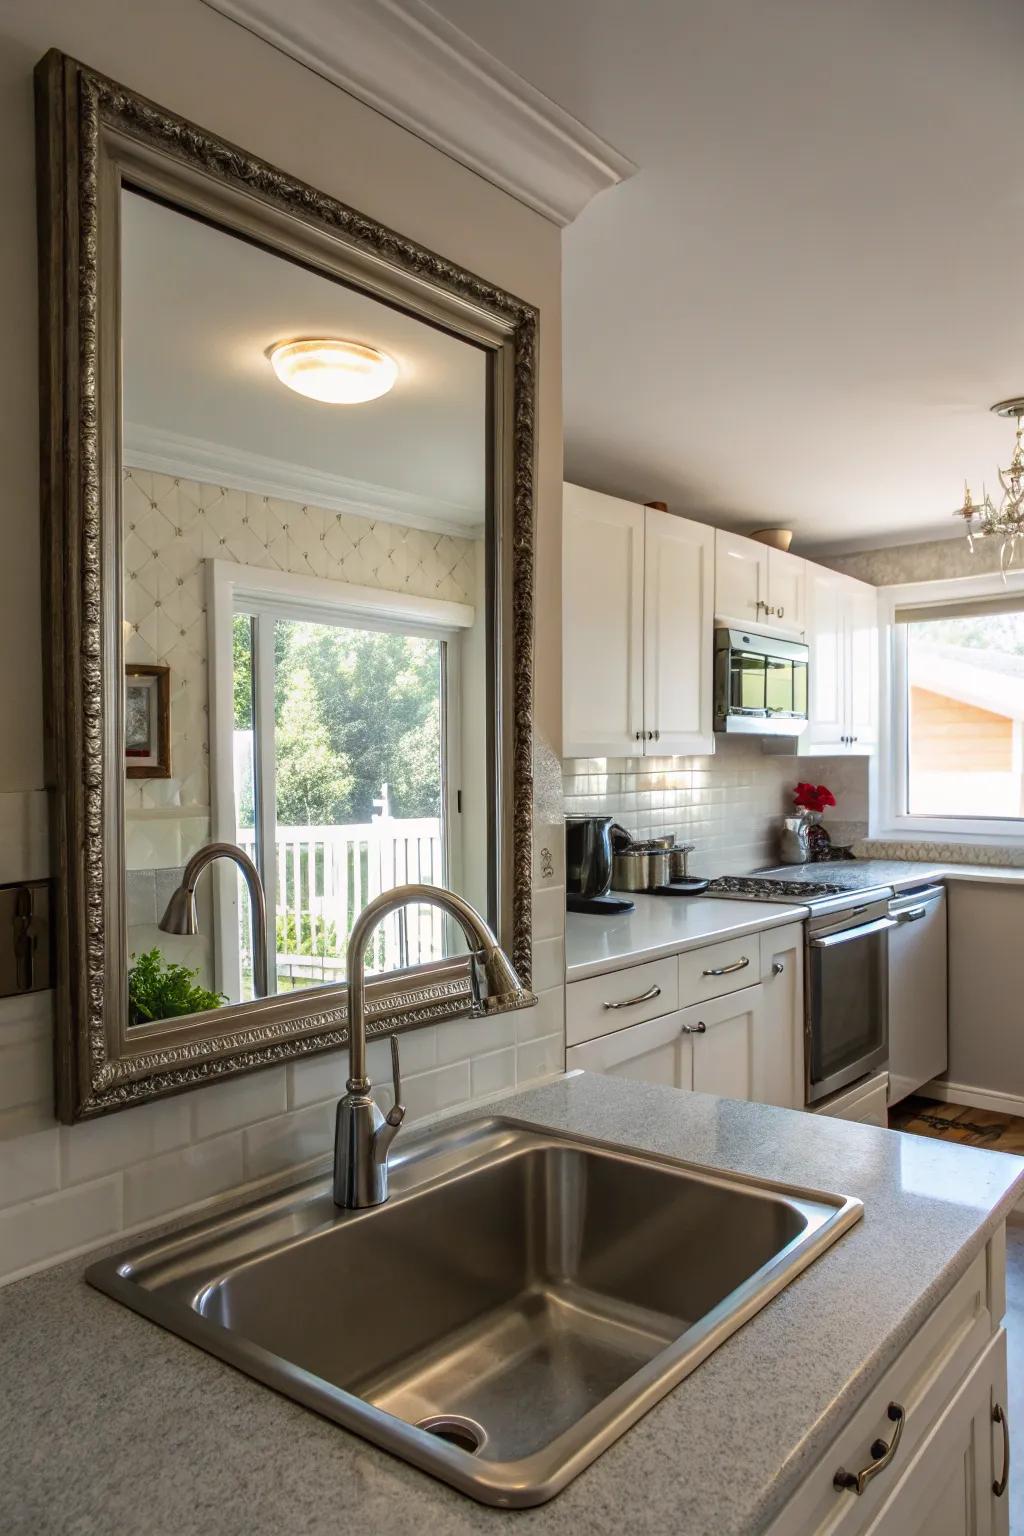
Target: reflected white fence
(326, 875)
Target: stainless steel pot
(680, 855)
(641, 867)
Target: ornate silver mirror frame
(94, 137)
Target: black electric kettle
(588, 865)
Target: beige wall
(61, 1189)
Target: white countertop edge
(763, 915)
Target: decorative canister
(794, 843)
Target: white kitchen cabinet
(657, 1051)
(778, 1069)
(842, 634)
(602, 624)
(723, 1035)
(948, 1488)
(637, 629)
(949, 1457)
(726, 1018)
(679, 564)
(758, 586)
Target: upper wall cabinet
(759, 586)
(637, 629)
(842, 632)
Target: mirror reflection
(305, 590)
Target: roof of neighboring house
(992, 680)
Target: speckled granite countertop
(109, 1424)
(662, 925)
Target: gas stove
(819, 895)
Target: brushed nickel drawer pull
(727, 970)
(695, 1029)
(882, 1456)
(999, 1417)
(631, 1002)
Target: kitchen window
(955, 759)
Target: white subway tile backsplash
(458, 1039)
(440, 1089)
(182, 1177)
(289, 1139)
(95, 1147)
(492, 1073)
(239, 1101)
(548, 1018)
(29, 1165)
(548, 963)
(540, 1058)
(26, 1073)
(59, 1224)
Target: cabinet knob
(777, 967)
(639, 735)
(779, 612)
(657, 735)
(695, 1029)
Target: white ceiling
(199, 310)
(800, 308)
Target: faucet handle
(396, 1114)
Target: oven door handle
(862, 931)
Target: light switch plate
(26, 954)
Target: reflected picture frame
(147, 721)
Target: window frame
(889, 817)
(234, 588)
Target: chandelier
(1006, 521)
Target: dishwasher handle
(911, 907)
(861, 931)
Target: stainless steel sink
(519, 1302)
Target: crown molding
(192, 458)
(411, 64)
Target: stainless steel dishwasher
(918, 1014)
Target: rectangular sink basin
(518, 1303)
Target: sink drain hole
(455, 1430)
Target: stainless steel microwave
(760, 684)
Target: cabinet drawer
(719, 968)
(603, 1004)
(657, 1051)
(922, 1380)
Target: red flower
(813, 797)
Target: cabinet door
(826, 639)
(741, 579)
(602, 625)
(947, 1489)
(787, 592)
(723, 1033)
(778, 1061)
(657, 1051)
(679, 564)
(862, 665)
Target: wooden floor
(1000, 1133)
(955, 1122)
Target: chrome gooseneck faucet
(363, 1135)
(180, 915)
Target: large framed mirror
(288, 482)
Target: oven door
(847, 1005)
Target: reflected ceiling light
(336, 372)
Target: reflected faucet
(363, 1136)
(180, 915)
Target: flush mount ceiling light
(336, 372)
(1007, 520)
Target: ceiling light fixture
(336, 372)
(1007, 520)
